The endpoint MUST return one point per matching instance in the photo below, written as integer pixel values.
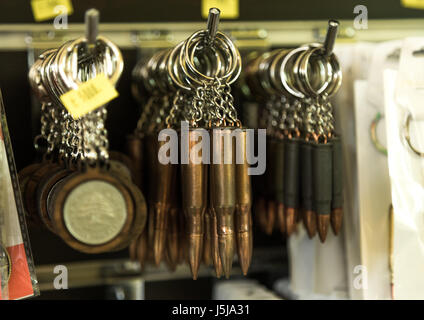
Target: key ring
(173, 68)
(194, 73)
(233, 61)
(284, 74)
(186, 56)
(63, 59)
(331, 60)
(270, 70)
(373, 132)
(222, 40)
(301, 72)
(408, 137)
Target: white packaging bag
(374, 201)
(407, 176)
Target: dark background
(123, 111)
(19, 11)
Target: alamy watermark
(61, 280)
(61, 19)
(361, 20)
(360, 280)
(221, 147)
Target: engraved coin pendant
(95, 212)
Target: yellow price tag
(229, 8)
(89, 96)
(49, 9)
(415, 4)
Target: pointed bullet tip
(336, 220)
(158, 250)
(244, 269)
(226, 253)
(194, 275)
(244, 251)
(194, 267)
(290, 214)
(244, 264)
(310, 223)
(157, 260)
(195, 247)
(323, 222)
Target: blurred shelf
(247, 34)
(116, 271)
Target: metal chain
(145, 114)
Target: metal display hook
(212, 24)
(330, 37)
(91, 28)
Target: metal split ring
(373, 132)
(408, 137)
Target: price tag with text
(229, 8)
(89, 96)
(49, 9)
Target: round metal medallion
(95, 212)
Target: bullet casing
(243, 218)
(194, 190)
(223, 194)
(135, 150)
(165, 175)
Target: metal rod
(330, 37)
(91, 27)
(212, 24)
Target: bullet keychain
(213, 221)
(194, 190)
(243, 217)
(304, 178)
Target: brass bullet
(207, 245)
(172, 238)
(151, 164)
(161, 203)
(310, 222)
(290, 214)
(216, 259)
(194, 183)
(336, 219)
(323, 222)
(135, 150)
(171, 266)
(182, 254)
(223, 198)
(243, 219)
(271, 214)
(160, 224)
(281, 218)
